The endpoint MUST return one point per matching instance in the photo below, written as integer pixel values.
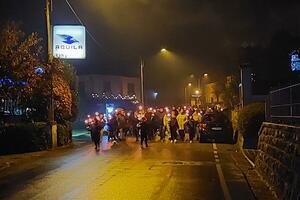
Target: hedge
(64, 133)
(250, 118)
(24, 137)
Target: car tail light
(203, 126)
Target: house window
(130, 89)
(106, 87)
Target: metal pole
(142, 81)
(185, 96)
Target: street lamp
(155, 94)
(197, 92)
(201, 86)
(185, 92)
(142, 65)
(163, 50)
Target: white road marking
(221, 176)
(215, 147)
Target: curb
(247, 158)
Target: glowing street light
(142, 65)
(163, 50)
(185, 92)
(197, 91)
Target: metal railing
(284, 103)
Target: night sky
(203, 36)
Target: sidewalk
(7, 161)
(256, 183)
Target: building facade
(110, 86)
(105, 93)
(213, 93)
(247, 95)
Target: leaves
(20, 54)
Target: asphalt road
(161, 171)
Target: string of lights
(104, 96)
(10, 82)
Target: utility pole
(48, 11)
(51, 119)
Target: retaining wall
(278, 159)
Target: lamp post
(201, 86)
(142, 65)
(155, 97)
(186, 99)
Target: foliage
(24, 137)
(62, 98)
(218, 90)
(19, 56)
(250, 119)
(72, 79)
(230, 94)
(64, 132)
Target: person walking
(166, 126)
(191, 128)
(197, 118)
(113, 129)
(95, 133)
(181, 119)
(143, 126)
(173, 127)
(133, 125)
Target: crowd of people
(175, 123)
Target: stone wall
(278, 159)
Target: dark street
(162, 171)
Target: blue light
(39, 70)
(10, 82)
(295, 61)
(109, 108)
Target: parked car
(216, 126)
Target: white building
(121, 86)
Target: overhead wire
(89, 33)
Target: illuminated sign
(295, 60)
(69, 42)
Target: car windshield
(216, 117)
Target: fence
(284, 104)
(10, 107)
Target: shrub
(24, 137)
(64, 133)
(250, 119)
